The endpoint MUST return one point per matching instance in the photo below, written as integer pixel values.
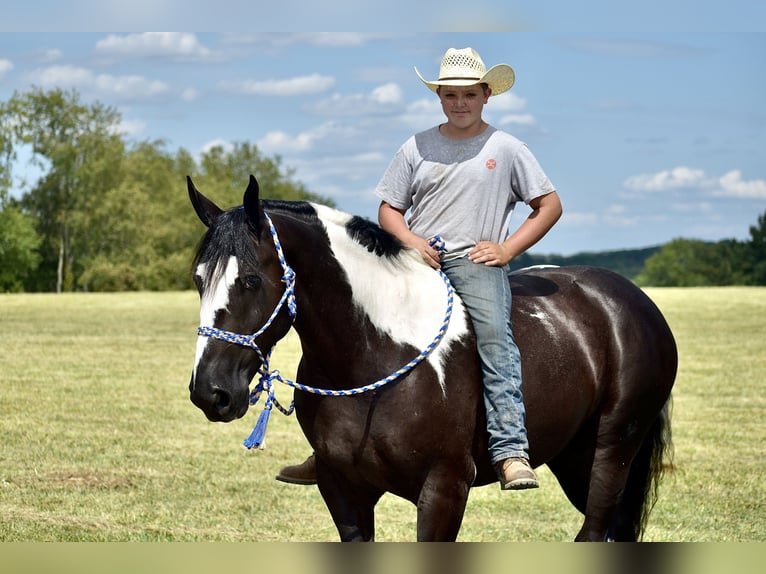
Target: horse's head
(240, 280)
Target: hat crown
(465, 63)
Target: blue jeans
(486, 293)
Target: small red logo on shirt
(491, 164)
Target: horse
(598, 365)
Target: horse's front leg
(441, 505)
(352, 508)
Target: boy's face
(463, 105)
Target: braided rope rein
(268, 376)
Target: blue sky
(647, 136)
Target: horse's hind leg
(441, 506)
(640, 491)
(627, 464)
(613, 458)
(593, 471)
(608, 477)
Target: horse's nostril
(222, 400)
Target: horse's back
(590, 341)
(583, 299)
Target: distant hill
(626, 262)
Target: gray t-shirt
(462, 190)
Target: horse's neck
(369, 309)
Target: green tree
(144, 228)
(669, 267)
(757, 251)
(7, 151)
(223, 175)
(18, 246)
(111, 215)
(18, 239)
(79, 148)
(695, 263)
(145, 240)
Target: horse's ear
(252, 205)
(206, 210)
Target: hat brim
(500, 78)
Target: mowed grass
(101, 443)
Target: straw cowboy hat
(464, 67)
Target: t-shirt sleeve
(528, 180)
(395, 187)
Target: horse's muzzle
(218, 404)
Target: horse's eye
(252, 281)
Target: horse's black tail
(653, 459)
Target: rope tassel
(257, 438)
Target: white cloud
(684, 178)
(518, 120)
(49, 56)
(424, 113)
(383, 99)
(389, 93)
(5, 67)
(732, 185)
(129, 86)
(174, 45)
(612, 216)
(226, 145)
(281, 142)
(83, 79)
(510, 102)
(132, 128)
(507, 102)
(64, 76)
(667, 180)
(190, 95)
(297, 86)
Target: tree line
(678, 263)
(109, 214)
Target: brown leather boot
(304, 473)
(516, 474)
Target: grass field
(101, 443)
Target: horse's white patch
(214, 298)
(544, 319)
(404, 298)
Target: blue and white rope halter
(268, 376)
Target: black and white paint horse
(598, 362)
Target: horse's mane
(376, 239)
(232, 236)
